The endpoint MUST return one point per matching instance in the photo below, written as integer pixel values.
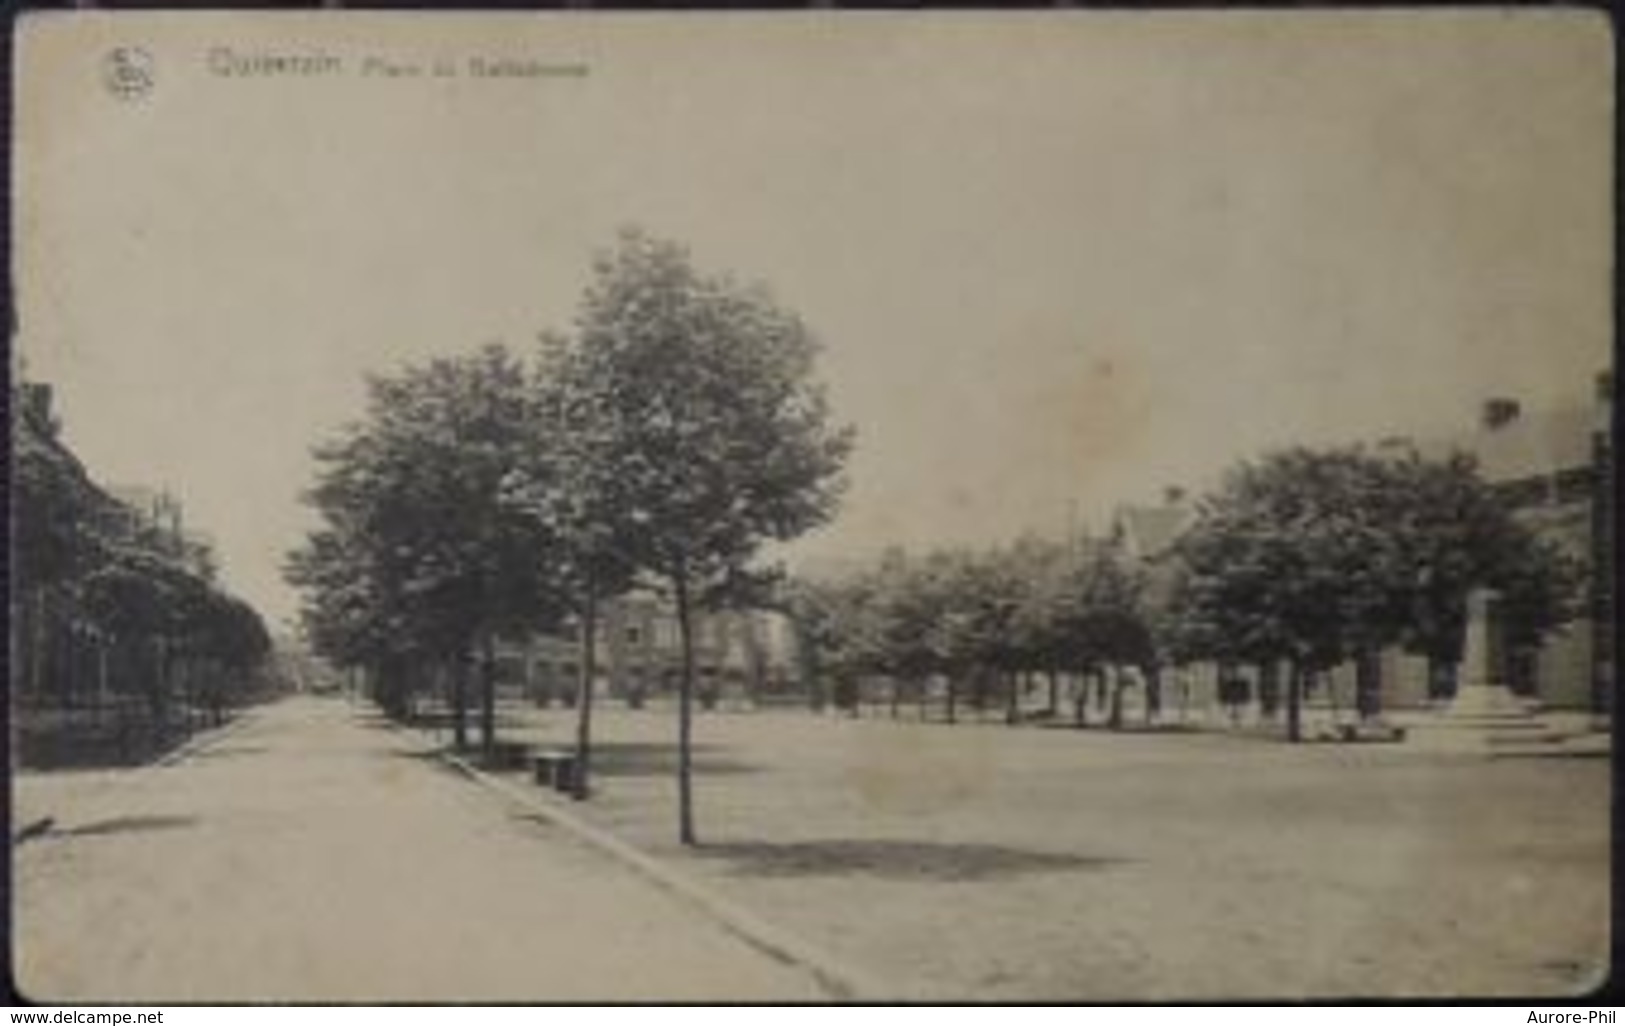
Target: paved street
(313, 853)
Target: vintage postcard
(1091, 506)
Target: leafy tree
(839, 624)
(904, 611)
(1039, 631)
(1103, 620)
(1287, 561)
(709, 415)
(1455, 535)
(981, 595)
(88, 568)
(422, 550)
(579, 507)
(1317, 556)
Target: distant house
(1149, 532)
(156, 515)
(738, 654)
(1554, 468)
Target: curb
(203, 739)
(842, 982)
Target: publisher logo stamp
(127, 72)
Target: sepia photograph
(1086, 506)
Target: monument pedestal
(1485, 713)
(1486, 701)
(1480, 691)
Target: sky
(1056, 261)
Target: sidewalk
(314, 854)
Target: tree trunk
(1269, 688)
(1012, 708)
(160, 689)
(459, 701)
(685, 712)
(953, 698)
(1080, 699)
(588, 669)
(1442, 675)
(1368, 683)
(1054, 693)
(488, 698)
(896, 695)
(1114, 716)
(1294, 702)
(1153, 693)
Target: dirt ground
(313, 853)
(985, 862)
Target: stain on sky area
(1084, 421)
(1106, 409)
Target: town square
(1093, 508)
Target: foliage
(1318, 556)
(1030, 607)
(422, 550)
(705, 409)
(702, 401)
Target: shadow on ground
(438, 719)
(1560, 753)
(100, 747)
(127, 825)
(434, 758)
(896, 860)
(642, 759)
(1128, 728)
(229, 751)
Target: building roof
(1535, 443)
(1149, 531)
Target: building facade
(739, 655)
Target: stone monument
(1480, 689)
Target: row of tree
(978, 622)
(659, 444)
(1302, 559)
(110, 604)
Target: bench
(1356, 733)
(555, 768)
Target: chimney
(1499, 412)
